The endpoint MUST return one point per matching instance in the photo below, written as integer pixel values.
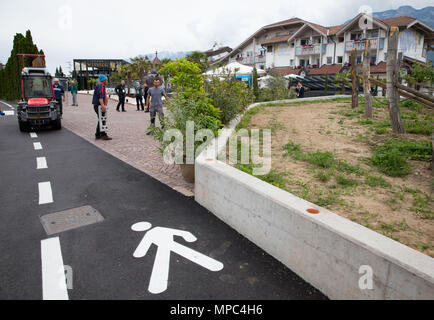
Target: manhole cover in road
(70, 219)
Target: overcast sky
(67, 29)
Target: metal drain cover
(70, 219)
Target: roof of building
(326, 69)
(401, 21)
(211, 52)
(379, 68)
(286, 70)
(288, 21)
(156, 61)
(276, 39)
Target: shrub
(277, 89)
(229, 95)
(190, 103)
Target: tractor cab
(37, 107)
(37, 85)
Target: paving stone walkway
(130, 142)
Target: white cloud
(122, 29)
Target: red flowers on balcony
(239, 58)
(307, 45)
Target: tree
(200, 59)
(128, 71)
(141, 66)
(10, 76)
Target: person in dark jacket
(100, 99)
(300, 90)
(59, 93)
(121, 92)
(139, 96)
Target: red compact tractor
(37, 106)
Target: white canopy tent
(234, 68)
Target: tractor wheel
(24, 126)
(57, 124)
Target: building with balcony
(302, 45)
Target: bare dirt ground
(393, 210)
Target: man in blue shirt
(100, 99)
(59, 93)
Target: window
(355, 36)
(374, 33)
(291, 62)
(304, 42)
(373, 59)
(385, 56)
(37, 87)
(329, 60)
(359, 59)
(303, 62)
(341, 39)
(269, 48)
(340, 59)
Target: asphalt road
(101, 255)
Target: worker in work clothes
(154, 98)
(59, 93)
(100, 99)
(121, 92)
(73, 88)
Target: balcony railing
(359, 45)
(250, 60)
(310, 49)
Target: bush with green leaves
(189, 103)
(276, 89)
(230, 95)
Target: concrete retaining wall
(324, 249)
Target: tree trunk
(393, 65)
(366, 82)
(355, 82)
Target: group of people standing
(151, 97)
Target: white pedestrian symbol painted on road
(163, 239)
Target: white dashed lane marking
(41, 163)
(45, 193)
(33, 135)
(7, 104)
(53, 271)
(37, 146)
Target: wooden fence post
(393, 64)
(355, 81)
(366, 83)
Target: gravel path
(130, 142)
